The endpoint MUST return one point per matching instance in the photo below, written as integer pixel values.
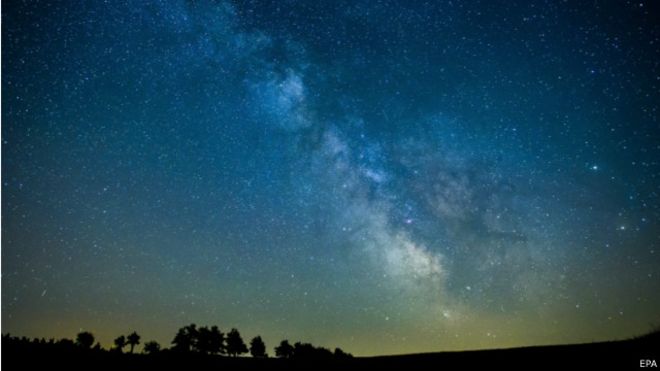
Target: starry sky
(383, 176)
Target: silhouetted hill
(614, 355)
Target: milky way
(387, 177)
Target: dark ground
(615, 355)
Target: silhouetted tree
(217, 341)
(284, 350)
(209, 341)
(85, 340)
(189, 338)
(203, 343)
(151, 347)
(120, 343)
(235, 344)
(258, 348)
(63, 343)
(133, 339)
(308, 351)
(339, 353)
(185, 339)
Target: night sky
(383, 176)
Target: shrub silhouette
(84, 340)
(258, 348)
(284, 350)
(235, 344)
(133, 339)
(151, 347)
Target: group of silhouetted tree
(188, 339)
(201, 340)
(212, 341)
(122, 341)
(306, 351)
(207, 340)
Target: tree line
(193, 339)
